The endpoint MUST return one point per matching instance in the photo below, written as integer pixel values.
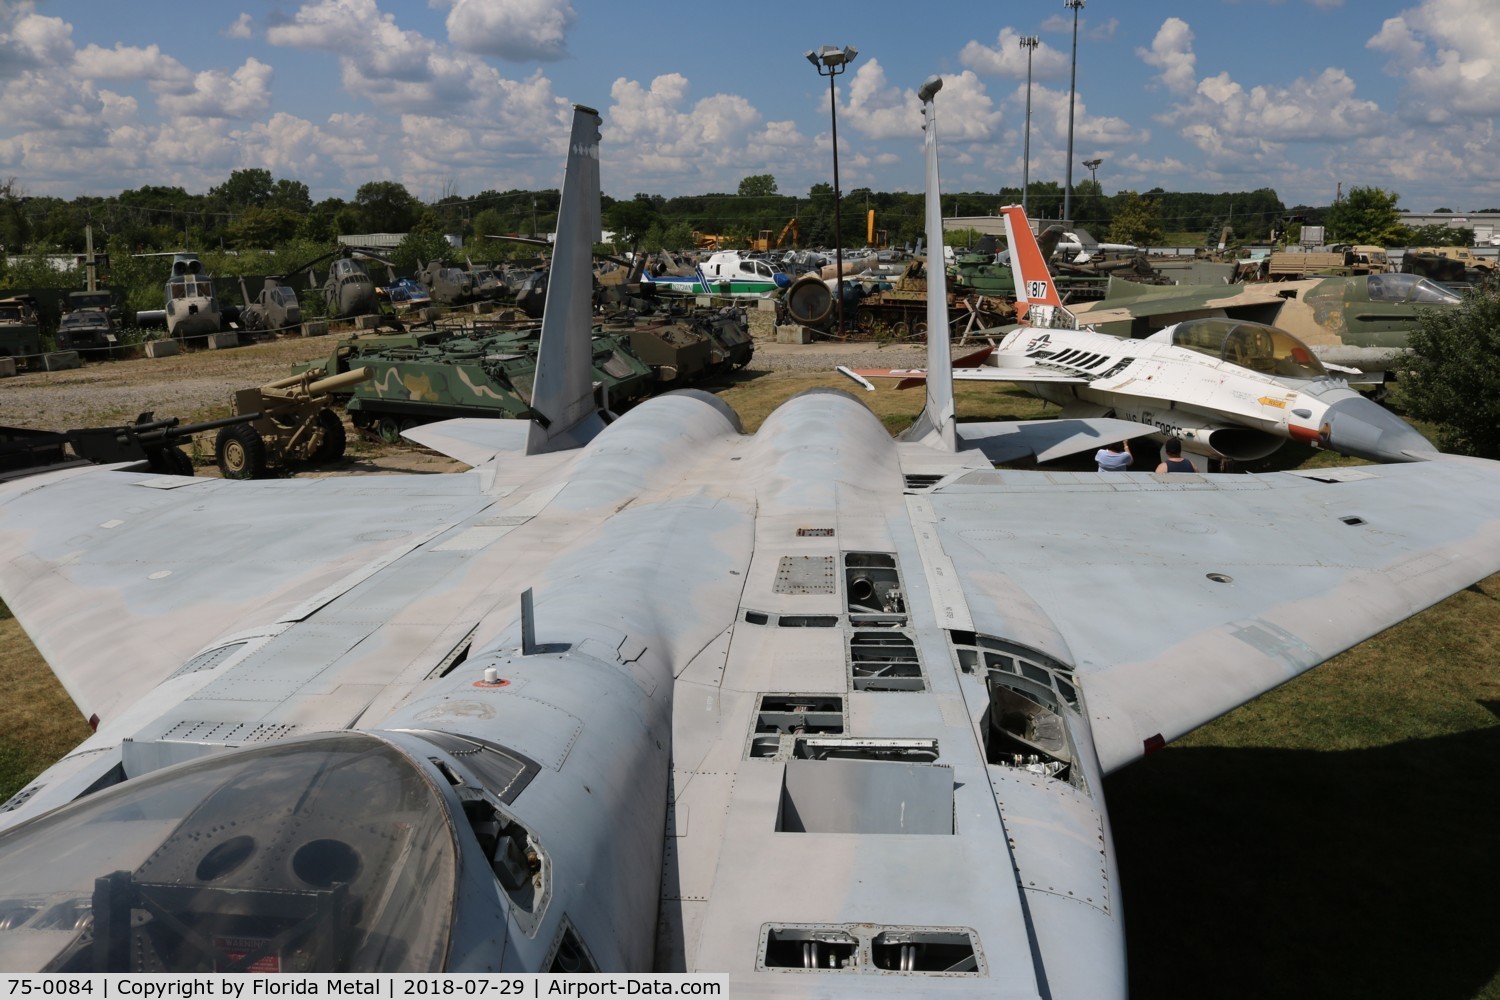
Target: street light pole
(1072, 95)
(1092, 166)
(835, 61)
(1029, 43)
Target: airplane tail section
(563, 391)
(935, 424)
(1037, 301)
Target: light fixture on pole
(1072, 95)
(1092, 166)
(1029, 43)
(830, 62)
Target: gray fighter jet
(868, 688)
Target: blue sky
(464, 95)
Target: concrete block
(791, 333)
(315, 328)
(162, 348)
(7, 367)
(218, 341)
(484, 307)
(61, 361)
(366, 322)
(766, 304)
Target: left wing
(164, 565)
(1180, 597)
(1045, 440)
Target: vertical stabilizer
(563, 391)
(1034, 284)
(935, 425)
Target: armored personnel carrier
(418, 378)
(486, 368)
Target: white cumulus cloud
(1448, 52)
(1008, 59)
(241, 27)
(1171, 52)
(216, 94)
(518, 30)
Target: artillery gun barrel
(293, 380)
(334, 383)
(152, 425)
(169, 430)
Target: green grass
(1333, 838)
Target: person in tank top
(1175, 462)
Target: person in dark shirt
(1175, 462)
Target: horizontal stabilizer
(472, 440)
(1045, 440)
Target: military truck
(20, 331)
(1468, 258)
(1346, 260)
(88, 325)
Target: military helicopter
(191, 308)
(348, 291)
(449, 286)
(275, 308)
(488, 284)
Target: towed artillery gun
(156, 443)
(289, 420)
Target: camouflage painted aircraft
(868, 688)
(1359, 322)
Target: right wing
(1180, 597)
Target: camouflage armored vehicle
(418, 379)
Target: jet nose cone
(1365, 429)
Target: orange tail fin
(1034, 285)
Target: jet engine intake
(1242, 444)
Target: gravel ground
(198, 385)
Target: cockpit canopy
(1409, 288)
(1255, 346)
(327, 854)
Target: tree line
(254, 223)
(254, 210)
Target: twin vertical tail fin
(563, 390)
(1037, 301)
(934, 427)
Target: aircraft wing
(165, 565)
(1045, 440)
(1020, 374)
(1180, 597)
